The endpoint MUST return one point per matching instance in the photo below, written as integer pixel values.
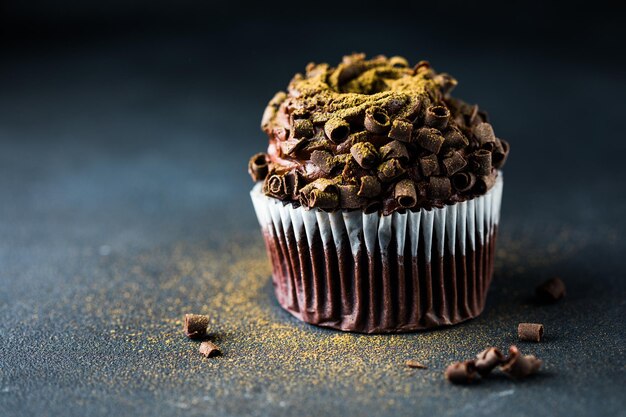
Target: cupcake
(378, 196)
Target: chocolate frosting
(375, 135)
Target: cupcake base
(382, 274)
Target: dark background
(125, 129)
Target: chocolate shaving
(530, 332)
(437, 117)
(461, 372)
(488, 359)
(454, 163)
(337, 130)
(484, 133)
(430, 139)
(445, 82)
(500, 153)
(463, 181)
(389, 170)
(551, 290)
(485, 182)
(349, 198)
(302, 128)
(518, 366)
(405, 194)
(376, 120)
(324, 161)
(481, 162)
(415, 364)
(369, 187)
(429, 165)
(439, 188)
(394, 149)
(291, 146)
(365, 154)
(454, 139)
(401, 130)
(257, 167)
(209, 349)
(195, 326)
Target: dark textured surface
(124, 205)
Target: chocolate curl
(324, 160)
(530, 332)
(271, 109)
(376, 120)
(373, 206)
(445, 82)
(484, 133)
(389, 170)
(401, 130)
(463, 181)
(437, 117)
(323, 199)
(291, 146)
(405, 194)
(344, 147)
(209, 349)
(481, 162)
(550, 291)
(398, 62)
(430, 139)
(349, 198)
(274, 186)
(454, 163)
(337, 130)
(302, 128)
(421, 66)
(461, 372)
(488, 359)
(429, 165)
(195, 326)
(369, 187)
(292, 181)
(394, 149)
(484, 183)
(365, 154)
(500, 153)
(439, 188)
(257, 167)
(454, 139)
(518, 366)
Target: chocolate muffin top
(375, 135)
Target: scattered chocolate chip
(551, 290)
(209, 349)
(437, 117)
(488, 359)
(195, 326)
(518, 366)
(429, 139)
(401, 130)
(415, 364)
(461, 372)
(337, 130)
(405, 194)
(530, 332)
(376, 120)
(257, 167)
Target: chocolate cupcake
(379, 197)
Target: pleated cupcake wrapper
(372, 273)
